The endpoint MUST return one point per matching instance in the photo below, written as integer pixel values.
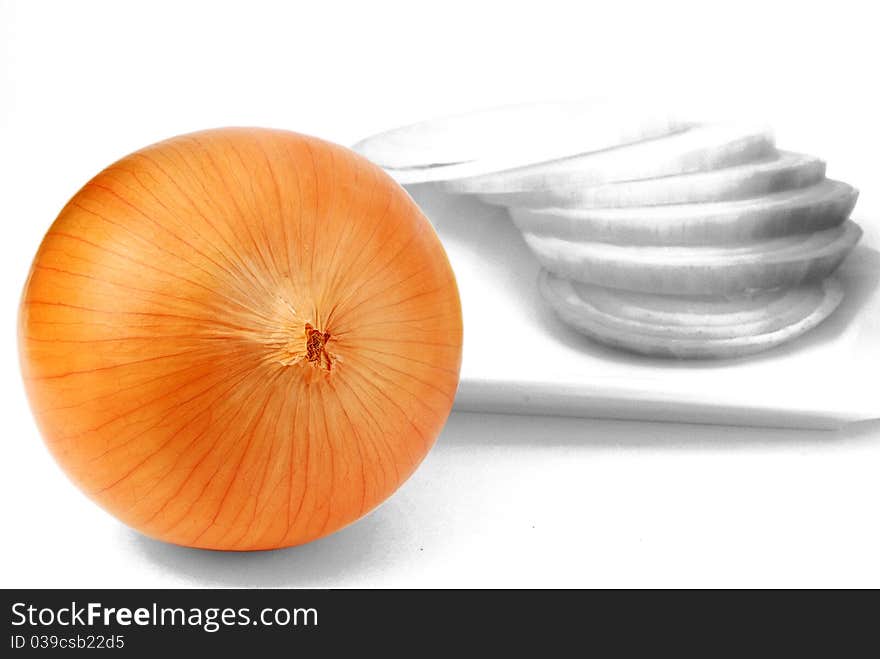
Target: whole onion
(240, 338)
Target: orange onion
(240, 338)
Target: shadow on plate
(359, 547)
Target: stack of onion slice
(658, 236)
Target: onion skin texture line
(240, 339)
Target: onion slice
(781, 171)
(697, 149)
(708, 328)
(818, 207)
(503, 138)
(704, 270)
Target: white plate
(519, 358)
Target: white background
(501, 501)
